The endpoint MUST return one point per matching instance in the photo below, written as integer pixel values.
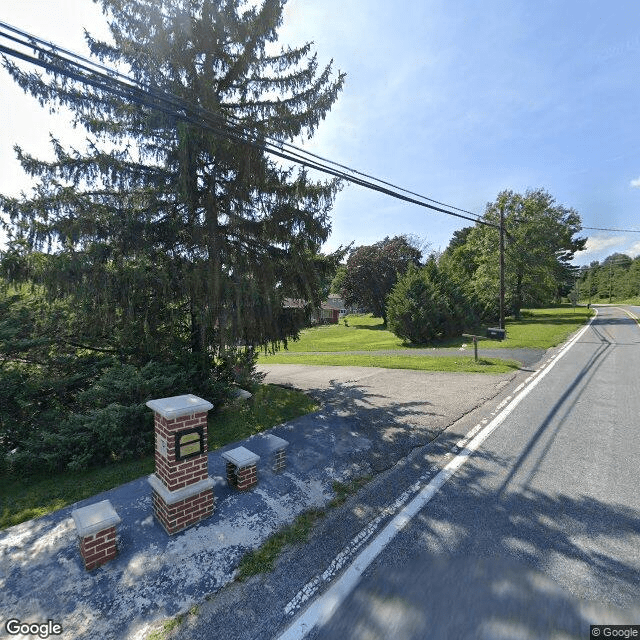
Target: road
(521, 520)
(538, 534)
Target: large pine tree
(168, 238)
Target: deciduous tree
(541, 241)
(372, 271)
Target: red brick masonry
(183, 514)
(96, 526)
(182, 488)
(179, 474)
(99, 548)
(242, 478)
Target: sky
(454, 100)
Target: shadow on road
(482, 564)
(392, 429)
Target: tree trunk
(517, 302)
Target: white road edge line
(323, 607)
(629, 313)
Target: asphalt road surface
(520, 520)
(537, 535)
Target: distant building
(328, 313)
(337, 301)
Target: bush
(240, 367)
(109, 420)
(426, 305)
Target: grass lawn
(631, 301)
(538, 328)
(29, 497)
(541, 328)
(363, 333)
(461, 363)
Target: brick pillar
(246, 477)
(182, 488)
(96, 526)
(279, 460)
(242, 468)
(277, 448)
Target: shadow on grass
(370, 327)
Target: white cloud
(597, 244)
(633, 250)
(635, 183)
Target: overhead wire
(84, 70)
(229, 126)
(616, 230)
(116, 74)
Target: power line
(229, 126)
(80, 69)
(616, 230)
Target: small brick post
(278, 452)
(96, 526)
(182, 488)
(242, 468)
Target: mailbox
(496, 334)
(188, 444)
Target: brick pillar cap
(95, 518)
(177, 406)
(171, 497)
(274, 442)
(240, 456)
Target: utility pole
(501, 266)
(610, 276)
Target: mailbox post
(492, 333)
(182, 488)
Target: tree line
(616, 278)
(459, 289)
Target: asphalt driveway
(392, 411)
(370, 419)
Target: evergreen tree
(426, 304)
(168, 239)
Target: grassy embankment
(24, 498)
(332, 344)
(635, 302)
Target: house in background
(336, 301)
(327, 313)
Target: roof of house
(296, 303)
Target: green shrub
(239, 365)
(109, 420)
(426, 305)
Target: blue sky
(454, 100)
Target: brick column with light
(182, 488)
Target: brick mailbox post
(182, 488)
